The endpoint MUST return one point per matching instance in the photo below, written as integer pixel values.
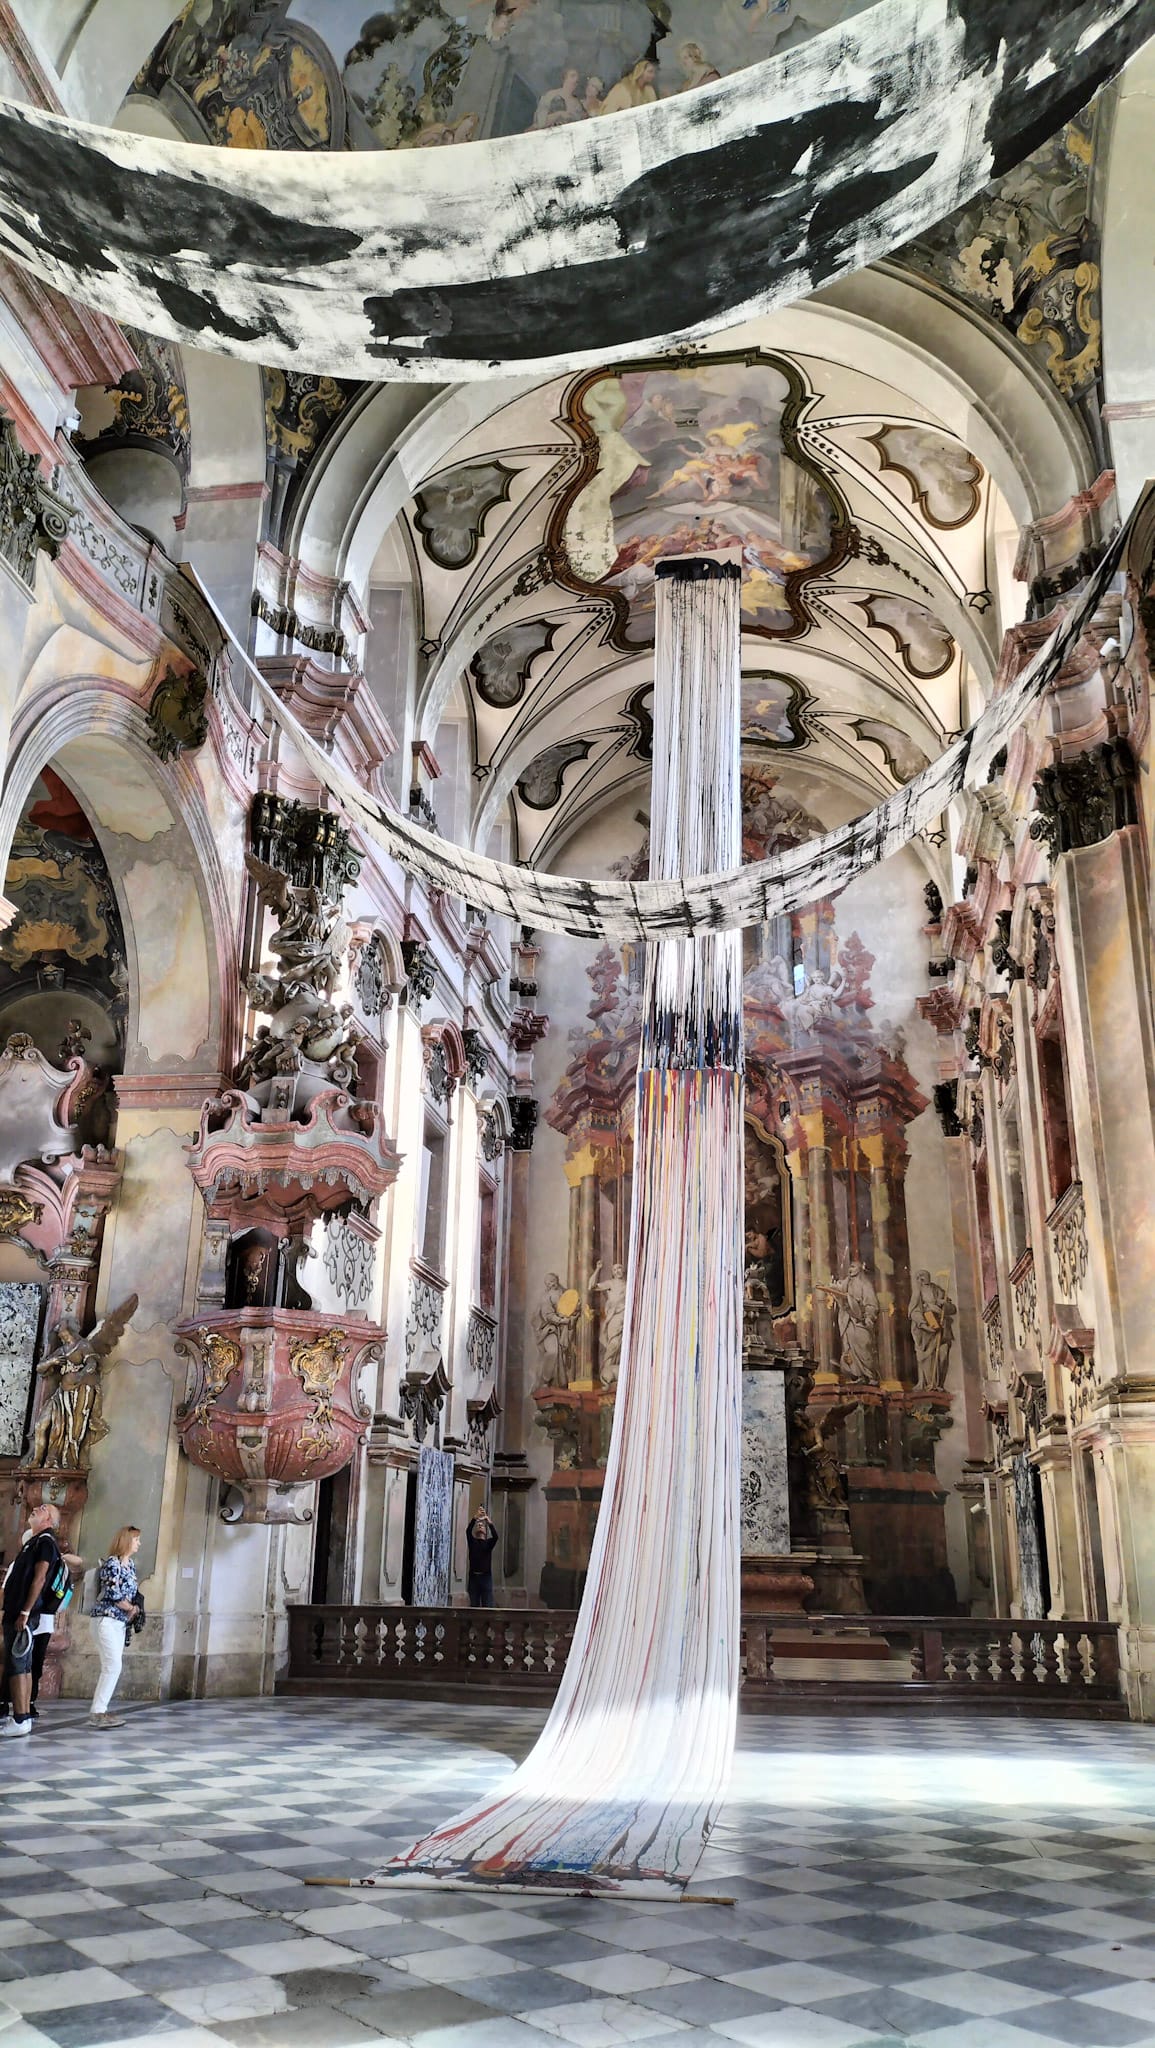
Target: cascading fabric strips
(572, 246)
(704, 902)
(620, 1791)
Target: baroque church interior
(325, 1190)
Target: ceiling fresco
(308, 75)
(865, 531)
(421, 74)
(691, 458)
(1025, 252)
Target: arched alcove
(157, 843)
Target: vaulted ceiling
(868, 536)
(332, 74)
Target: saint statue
(556, 1325)
(309, 946)
(932, 1314)
(72, 1421)
(857, 1324)
(613, 1320)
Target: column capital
(1085, 799)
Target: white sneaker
(14, 1727)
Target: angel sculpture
(72, 1421)
(309, 945)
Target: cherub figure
(72, 1421)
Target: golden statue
(73, 1420)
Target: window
(1056, 1113)
(486, 1245)
(431, 1207)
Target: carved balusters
(982, 1661)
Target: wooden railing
(518, 1655)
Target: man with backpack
(34, 1589)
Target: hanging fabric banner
(573, 245)
(666, 908)
(620, 1790)
(433, 1528)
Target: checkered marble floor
(953, 1883)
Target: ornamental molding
(338, 1154)
(423, 1321)
(993, 1326)
(1025, 1295)
(1068, 1226)
(1086, 799)
(481, 1416)
(32, 516)
(481, 1343)
(349, 1256)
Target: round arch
(157, 841)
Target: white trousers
(110, 1643)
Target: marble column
(820, 1200)
(881, 1216)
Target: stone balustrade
(518, 1655)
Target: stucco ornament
(72, 1421)
(36, 1100)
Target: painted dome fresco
(419, 74)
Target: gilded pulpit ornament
(16, 1212)
(221, 1358)
(73, 1419)
(319, 1366)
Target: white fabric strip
(621, 1788)
(570, 246)
(730, 901)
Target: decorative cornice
(1086, 799)
(76, 346)
(165, 1091)
(943, 1008)
(527, 1028)
(961, 931)
(333, 705)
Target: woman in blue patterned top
(112, 1617)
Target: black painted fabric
(574, 246)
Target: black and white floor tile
(944, 1883)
